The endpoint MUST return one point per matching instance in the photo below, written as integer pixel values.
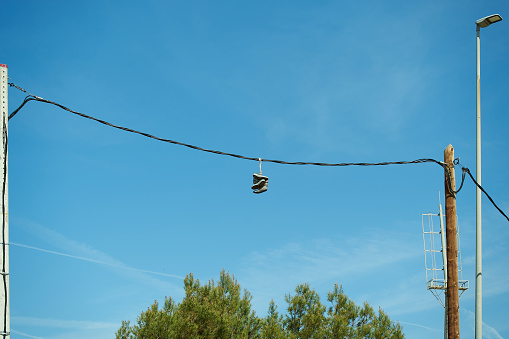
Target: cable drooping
(27, 99)
(35, 98)
(32, 97)
(466, 170)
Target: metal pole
(452, 246)
(444, 259)
(446, 322)
(444, 244)
(5, 321)
(483, 22)
(478, 217)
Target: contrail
(96, 261)
(426, 327)
(26, 335)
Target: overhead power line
(31, 97)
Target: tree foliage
(222, 310)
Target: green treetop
(223, 311)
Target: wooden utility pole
(453, 320)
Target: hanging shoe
(262, 189)
(257, 177)
(260, 183)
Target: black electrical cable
(466, 170)
(36, 98)
(32, 97)
(27, 99)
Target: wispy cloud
(25, 335)
(82, 251)
(118, 265)
(406, 297)
(350, 260)
(346, 256)
(497, 281)
(366, 88)
(76, 329)
(59, 323)
(488, 331)
(421, 326)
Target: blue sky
(104, 222)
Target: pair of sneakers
(260, 183)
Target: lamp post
(481, 23)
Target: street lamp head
(488, 20)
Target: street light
(481, 23)
(488, 20)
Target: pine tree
(222, 310)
